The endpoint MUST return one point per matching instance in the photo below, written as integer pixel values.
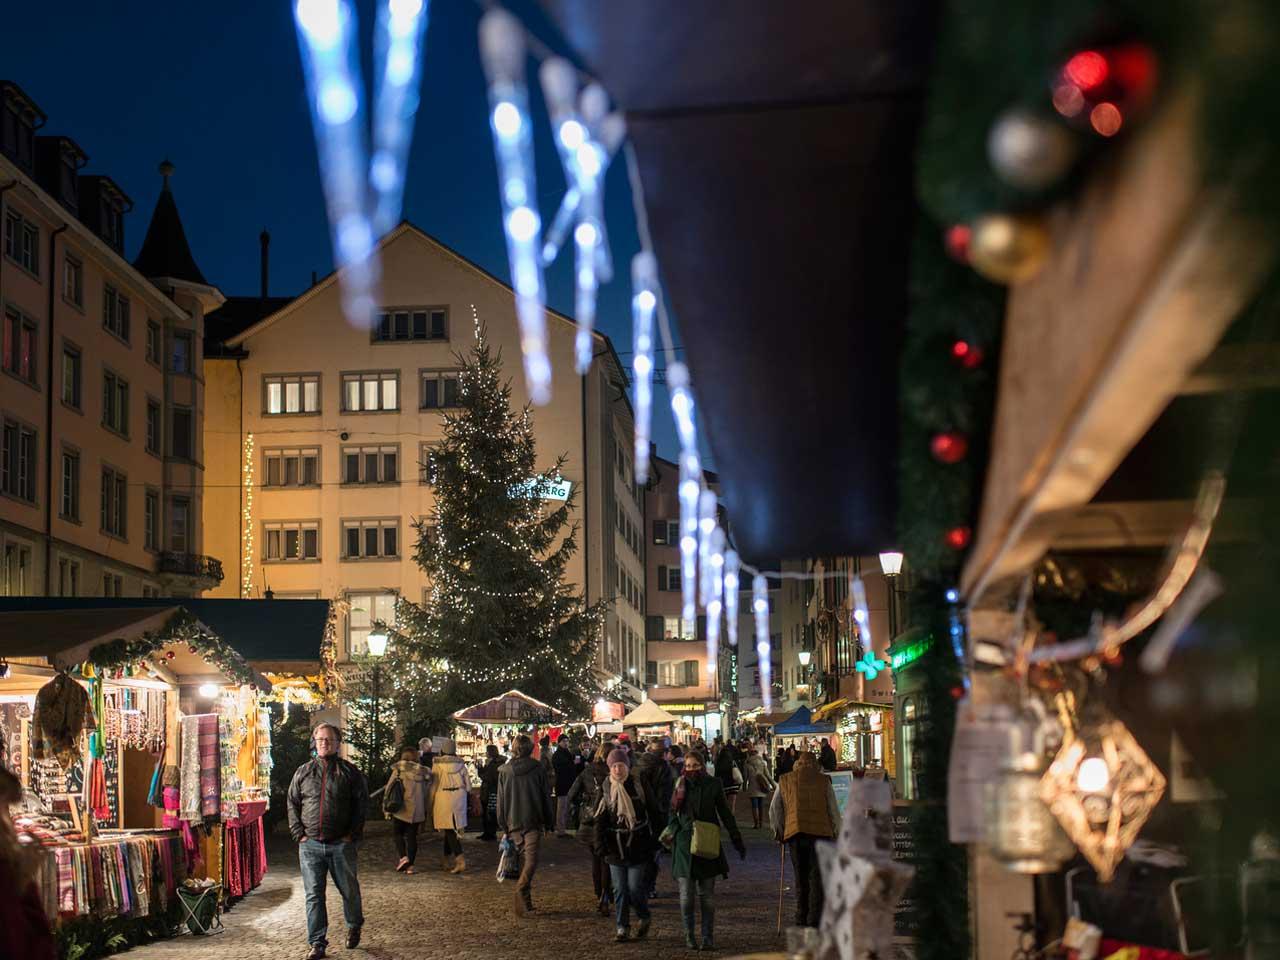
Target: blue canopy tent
(800, 724)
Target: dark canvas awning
(66, 637)
(775, 143)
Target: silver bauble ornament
(1030, 151)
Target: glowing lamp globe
(805, 656)
(891, 563)
(377, 643)
(208, 690)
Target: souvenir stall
(864, 734)
(499, 720)
(93, 705)
(649, 721)
(799, 731)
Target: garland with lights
(180, 628)
(498, 612)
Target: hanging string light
(644, 300)
(502, 51)
(715, 605)
(731, 567)
(400, 29)
(689, 492)
(861, 615)
(706, 526)
(764, 651)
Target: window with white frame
(69, 502)
(371, 464)
(286, 394)
(363, 611)
(22, 241)
(677, 628)
(669, 578)
(18, 460)
(374, 391)
(115, 312)
(179, 524)
(184, 431)
(73, 280)
(151, 520)
(677, 673)
(115, 488)
(291, 467)
(115, 403)
(18, 571)
(19, 350)
(439, 389)
(411, 323)
(71, 375)
(370, 539)
(181, 356)
(666, 532)
(291, 540)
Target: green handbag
(706, 839)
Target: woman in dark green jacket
(699, 797)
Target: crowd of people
(630, 804)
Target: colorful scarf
(677, 799)
(209, 764)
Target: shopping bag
(508, 860)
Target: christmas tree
(498, 613)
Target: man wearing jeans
(524, 811)
(328, 803)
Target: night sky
(218, 89)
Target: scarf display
(129, 877)
(98, 801)
(209, 764)
(229, 740)
(189, 778)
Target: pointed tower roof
(165, 251)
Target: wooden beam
(1149, 266)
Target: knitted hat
(616, 756)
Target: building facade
(100, 390)
(317, 432)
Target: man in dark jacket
(804, 811)
(328, 804)
(565, 772)
(524, 811)
(827, 756)
(654, 773)
(488, 773)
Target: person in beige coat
(757, 784)
(450, 785)
(408, 819)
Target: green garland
(182, 627)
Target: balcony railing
(191, 565)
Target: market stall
(649, 721)
(499, 720)
(864, 734)
(799, 731)
(137, 737)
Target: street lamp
(891, 563)
(891, 566)
(806, 658)
(377, 642)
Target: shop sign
(682, 707)
(606, 711)
(910, 654)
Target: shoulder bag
(706, 840)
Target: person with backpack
(404, 800)
(698, 808)
(587, 791)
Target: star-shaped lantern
(870, 665)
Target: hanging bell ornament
(1030, 151)
(1022, 833)
(1006, 248)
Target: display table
(244, 859)
(132, 874)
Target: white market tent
(648, 714)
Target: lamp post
(806, 657)
(377, 649)
(891, 566)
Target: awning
(801, 724)
(648, 714)
(831, 710)
(67, 637)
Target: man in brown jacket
(804, 811)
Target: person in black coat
(564, 772)
(587, 791)
(488, 773)
(625, 839)
(827, 756)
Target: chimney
(269, 594)
(264, 239)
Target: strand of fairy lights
(246, 576)
(400, 30)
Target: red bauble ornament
(1102, 89)
(957, 692)
(949, 447)
(170, 655)
(967, 354)
(956, 239)
(957, 538)
(191, 649)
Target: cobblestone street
(432, 914)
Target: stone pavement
(469, 917)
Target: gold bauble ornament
(1008, 248)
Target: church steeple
(165, 251)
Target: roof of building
(234, 317)
(259, 630)
(165, 251)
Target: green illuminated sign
(909, 655)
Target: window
(410, 323)
(184, 441)
(291, 393)
(115, 488)
(153, 426)
(669, 578)
(115, 403)
(291, 540)
(153, 342)
(371, 464)
(18, 461)
(115, 312)
(71, 372)
(364, 611)
(667, 532)
(68, 577)
(22, 241)
(439, 389)
(292, 467)
(180, 359)
(151, 520)
(18, 571)
(112, 585)
(69, 505)
(367, 539)
(73, 280)
(677, 673)
(424, 463)
(20, 345)
(150, 590)
(179, 524)
(363, 392)
(675, 628)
